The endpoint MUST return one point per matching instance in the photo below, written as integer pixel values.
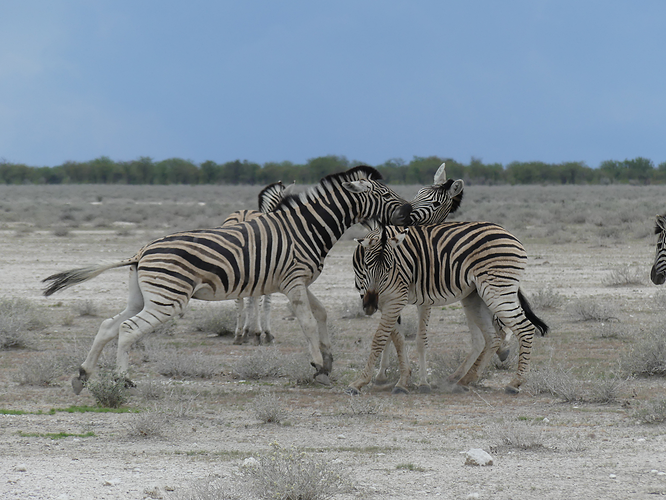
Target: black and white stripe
(658, 271)
(477, 263)
(253, 315)
(281, 251)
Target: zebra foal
(280, 251)
(477, 263)
(253, 315)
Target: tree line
(419, 170)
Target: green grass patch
(55, 435)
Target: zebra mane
(457, 199)
(325, 185)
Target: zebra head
(658, 272)
(373, 199)
(374, 264)
(432, 204)
(271, 196)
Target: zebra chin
(370, 303)
(657, 278)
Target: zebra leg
(471, 305)
(240, 321)
(266, 319)
(381, 378)
(251, 329)
(300, 303)
(108, 331)
(484, 320)
(398, 340)
(320, 315)
(387, 325)
(421, 348)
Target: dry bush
(555, 381)
(219, 320)
(626, 276)
(546, 298)
(108, 389)
(653, 412)
(591, 310)
(39, 371)
(607, 389)
(147, 425)
(443, 364)
(173, 362)
(519, 435)
(86, 308)
(18, 317)
(268, 408)
(648, 355)
(294, 475)
(266, 362)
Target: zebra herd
(281, 248)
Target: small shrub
(444, 364)
(172, 362)
(365, 405)
(516, 436)
(263, 362)
(146, 425)
(546, 298)
(294, 475)
(352, 309)
(648, 356)
(86, 308)
(654, 412)
(109, 390)
(555, 381)
(590, 310)
(40, 371)
(607, 389)
(215, 321)
(268, 409)
(61, 231)
(17, 318)
(626, 276)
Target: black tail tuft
(533, 318)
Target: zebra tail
(60, 281)
(533, 318)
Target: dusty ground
(390, 446)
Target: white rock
(477, 456)
(251, 462)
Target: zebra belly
(437, 298)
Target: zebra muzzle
(401, 216)
(370, 303)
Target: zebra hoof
(323, 379)
(256, 340)
(238, 340)
(268, 339)
(511, 390)
(77, 385)
(352, 391)
(399, 390)
(424, 389)
(503, 354)
(459, 389)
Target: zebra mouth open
(657, 278)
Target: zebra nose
(657, 278)
(401, 216)
(370, 303)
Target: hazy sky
(289, 80)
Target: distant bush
(626, 276)
(220, 320)
(268, 408)
(591, 310)
(648, 355)
(18, 317)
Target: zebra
(658, 271)
(477, 263)
(253, 317)
(431, 205)
(283, 251)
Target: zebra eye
(436, 204)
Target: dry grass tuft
(18, 317)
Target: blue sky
(369, 80)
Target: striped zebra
(253, 315)
(281, 251)
(431, 205)
(658, 271)
(477, 263)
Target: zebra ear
(289, 189)
(364, 242)
(396, 240)
(440, 175)
(456, 188)
(359, 186)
